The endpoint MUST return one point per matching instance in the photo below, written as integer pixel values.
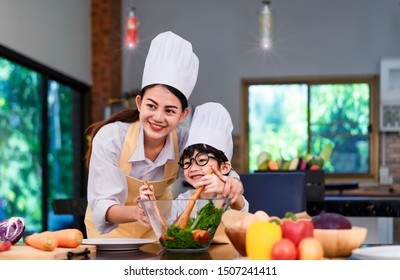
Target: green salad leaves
(207, 221)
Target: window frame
(81, 116)
(372, 80)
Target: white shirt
(107, 183)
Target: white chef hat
(171, 61)
(212, 125)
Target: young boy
(209, 146)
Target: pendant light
(132, 22)
(265, 26)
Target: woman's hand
(120, 214)
(140, 216)
(146, 193)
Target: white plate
(113, 244)
(387, 252)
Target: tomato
(163, 237)
(310, 248)
(201, 236)
(5, 245)
(260, 237)
(297, 230)
(284, 249)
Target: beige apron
(161, 189)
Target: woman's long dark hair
(128, 115)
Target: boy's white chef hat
(171, 61)
(212, 125)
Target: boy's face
(200, 163)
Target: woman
(134, 147)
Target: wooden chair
(276, 193)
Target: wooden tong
(157, 210)
(183, 218)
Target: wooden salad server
(157, 210)
(183, 218)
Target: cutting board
(24, 252)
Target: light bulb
(265, 26)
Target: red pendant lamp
(131, 36)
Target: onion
(12, 229)
(331, 221)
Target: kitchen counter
(357, 206)
(155, 252)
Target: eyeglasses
(201, 159)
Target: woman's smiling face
(160, 112)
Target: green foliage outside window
(290, 120)
(21, 143)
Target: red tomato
(5, 245)
(201, 236)
(284, 249)
(296, 231)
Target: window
(289, 118)
(41, 155)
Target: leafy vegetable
(331, 221)
(12, 229)
(176, 238)
(207, 219)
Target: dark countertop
(357, 206)
(155, 252)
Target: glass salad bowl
(185, 225)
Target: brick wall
(106, 54)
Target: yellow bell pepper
(260, 238)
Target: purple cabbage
(331, 221)
(12, 229)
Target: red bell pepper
(296, 230)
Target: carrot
(273, 165)
(45, 241)
(69, 238)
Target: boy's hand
(213, 185)
(232, 186)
